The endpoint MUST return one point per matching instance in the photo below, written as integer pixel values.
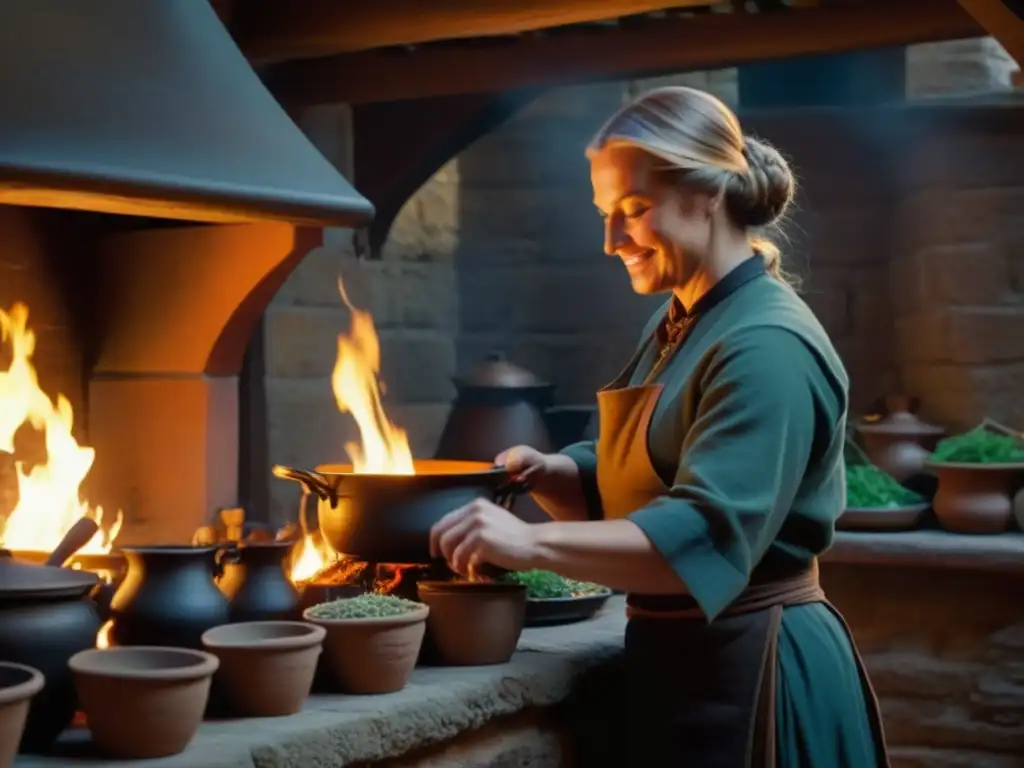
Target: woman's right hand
(522, 459)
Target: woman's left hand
(482, 532)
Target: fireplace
(144, 226)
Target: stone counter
(939, 619)
(437, 705)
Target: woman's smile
(634, 261)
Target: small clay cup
(143, 701)
(18, 684)
(266, 667)
(373, 655)
(474, 623)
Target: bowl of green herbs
(876, 502)
(979, 471)
(552, 599)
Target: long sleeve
(742, 462)
(584, 454)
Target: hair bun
(761, 195)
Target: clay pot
(374, 655)
(144, 701)
(976, 498)
(474, 623)
(46, 618)
(18, 684)
(256, 582)
(266, 667)
(899, 443)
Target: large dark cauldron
(387, 518)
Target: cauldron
(387, 518)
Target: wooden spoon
(76, 538)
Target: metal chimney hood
(148, 108)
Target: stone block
(417, 367)
(964, 273)
(314, 282)
(504, 224)
(491, 299)
(427, 228)
(302, 342)
(963, 395)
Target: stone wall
(958, 275)
(947, 666)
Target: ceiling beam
(275, 30)
(576, 55)
(1004, 20)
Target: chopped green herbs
(868, 487)
(368, 606)
(545, 585)
(980, 446)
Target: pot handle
(313, 482)
(505, 495)
(226, 554)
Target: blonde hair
(704, 148)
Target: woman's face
(660, 232)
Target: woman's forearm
(561, 497)
(615, 553)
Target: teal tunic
(748, 436)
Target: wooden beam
(1004, 20)
(273, 30)
(638, 49)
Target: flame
(48, 494)
(385, 447)
(103, 636)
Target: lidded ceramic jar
(899, 442)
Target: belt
(783, 587)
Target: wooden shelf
(1002, 553)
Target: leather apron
(699, 693)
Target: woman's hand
(553, 480)
(483, 533)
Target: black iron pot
(387, 518)
(255, 581)
(45, 619)
(168, 596)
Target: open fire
(49, 496)
(383, 448)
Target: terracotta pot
(474, 623)
(899, 443)
(976, 498)
(374, 655)
(18, 684)
(143, 701)
(266, 667)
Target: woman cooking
(717, 474)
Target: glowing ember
(48, 494)
(383, 448)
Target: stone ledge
(437, 705)
(1001, 553)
